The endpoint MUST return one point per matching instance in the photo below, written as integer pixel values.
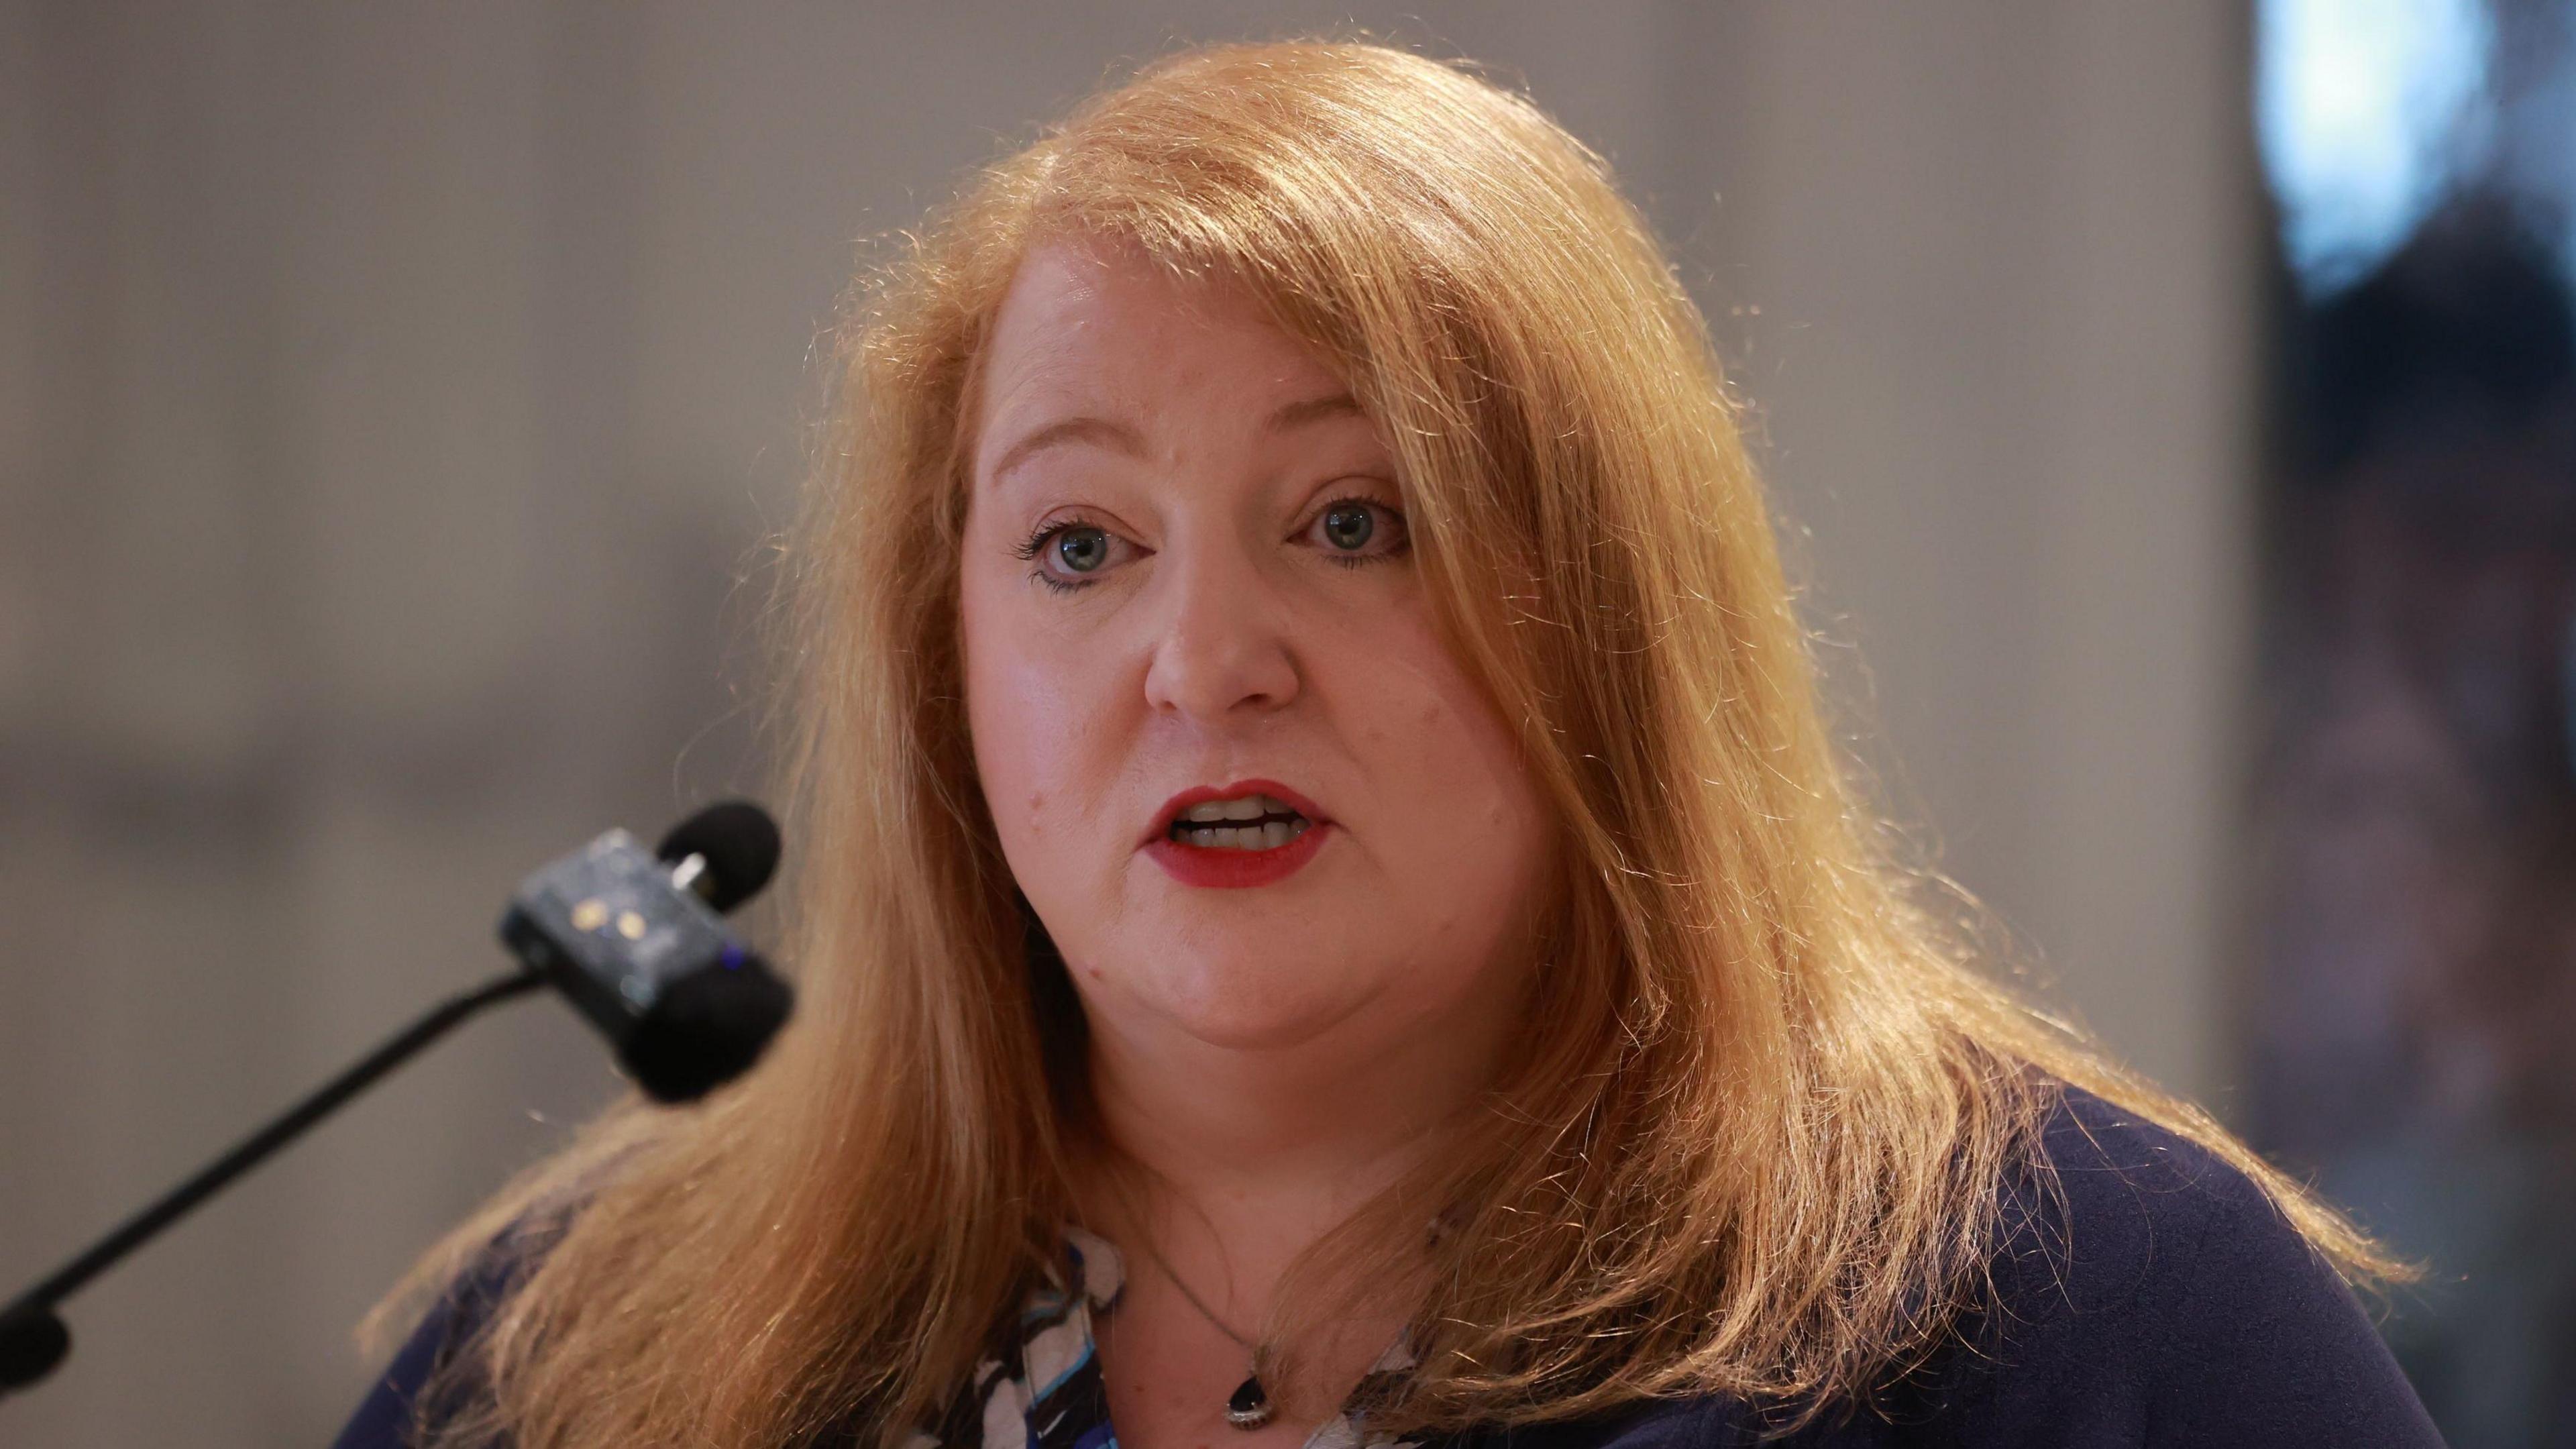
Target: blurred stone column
(1991, 275)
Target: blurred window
(2413, 1023)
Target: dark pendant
(1250, 1406)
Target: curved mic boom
(639, 944)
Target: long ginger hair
(1767, 1094)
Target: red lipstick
(1224, 867)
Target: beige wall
(390, 396)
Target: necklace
(1250, 1406)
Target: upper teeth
(1244, 807)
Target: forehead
(1100, 326)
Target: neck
(1250, 1154)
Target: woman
(1327, 914)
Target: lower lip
(1224, 869)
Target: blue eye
(1348, 525)
(1065, 551)
(1082, 549)
(1355, 531)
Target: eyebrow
(1120, 438)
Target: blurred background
(2169, 407)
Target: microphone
(725, 853)
(636, 942)
(638, 945)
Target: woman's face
(1187, 592)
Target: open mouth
(1247, 833)
(1248, 822)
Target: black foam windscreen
(707, 1028)
(739, 843)
(32, 1340)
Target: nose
(1220, 653)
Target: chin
(1254, 1000)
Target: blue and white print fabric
(1046, 1391)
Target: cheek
(1033, 720)
(1467, 820)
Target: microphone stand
(33, 1339)
(639, 944)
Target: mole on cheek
(1037, 801)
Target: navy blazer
(2163, 1301)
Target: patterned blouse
(1047, 1393)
